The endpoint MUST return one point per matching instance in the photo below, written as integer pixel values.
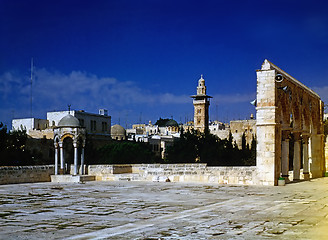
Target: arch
(67, 135)
(68, 149)
(286, 107)
(70, 138)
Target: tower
(201, 104)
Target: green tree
(184, 150)
(13, 150)
(125, 152)
(206, 148)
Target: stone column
(62, 160)
(316, 167)
(268, 128)
(56, 159)
(285, 155)
(326, 153)
(297, 156)
(82, 160)
(75, 158)
(306, 156)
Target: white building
(95, 124)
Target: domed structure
(69, 121)
(171, 123)
(69, 127)
(118, 132)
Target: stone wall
(176, 173)
(140, 172)
(26, 174)
(102, 172)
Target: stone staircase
(72, 178)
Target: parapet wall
(26, 174)
(139, 172)
(177, 173)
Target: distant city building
(201, 105)
(237, 129)
(41, 131)
(118, 132)
(95, 124)
(325, 117)
(99, 124)
(158, 137)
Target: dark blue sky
(142, 59)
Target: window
(93, 124)
(81, 122)
(104, 126)
(155, 148)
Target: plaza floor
(166, 210)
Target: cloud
(53, 90)
(88, 90)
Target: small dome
(171, 123)
(69, 121)
(117, 130)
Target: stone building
(41, 131)
(201, 106)
(95, 124)
(239, 128)
(158, 137)
(287, 113)
(118, 132)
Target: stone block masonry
(139, 172)
(26, 174)
(177, 173)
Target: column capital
(297, 135)
(305, 137)
(60, 144)
(285, 135)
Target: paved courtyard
(147, 210)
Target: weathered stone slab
(71, 178)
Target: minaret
(201, 104)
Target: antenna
(31, 99)
(216, 112)
(69, 108)
(140, 117)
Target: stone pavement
(148, 210)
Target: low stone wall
(141, 172)
(176, 173)
(26, 174)
(103, 171)
(197, 173)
